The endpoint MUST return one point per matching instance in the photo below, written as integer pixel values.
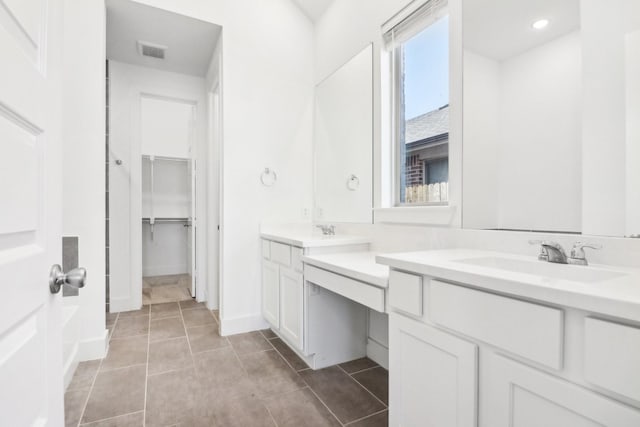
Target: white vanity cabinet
(283, 290)
(433, 376)
(460, 356)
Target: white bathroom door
(31, 377)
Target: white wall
(268, 109)
(84, 164)
(167, 252)
(632, 78)
(165, 127)
(522, 146)
(481, 141)
(129, 84)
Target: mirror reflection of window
(420, 47)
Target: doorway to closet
(162, 162)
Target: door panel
(434, 380)
(291, 306)
(271, 293)
(520, 396)
(31, 391)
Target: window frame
(385, 211)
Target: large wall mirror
(343, 143)
(552, 116)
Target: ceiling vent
(151, 50)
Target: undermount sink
(573, 273)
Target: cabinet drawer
(281, 254)
(612, 357)
(266, 249)
(296, 259)
(529, 330)
(405, 292)
(360, 292)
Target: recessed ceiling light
(540, 24)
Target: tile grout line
(323, 403)
(184, 327)
(361, 370)
(95, 377)
(368, 416)
(244, 369)
(361, 385)
(110, 418)
(146, 373)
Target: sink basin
(575, 273)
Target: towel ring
(268, 177)
(353, 182)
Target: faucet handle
(577, 252)
(543, 255)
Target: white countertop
(618, 296)
(306, 238)
(360, 266)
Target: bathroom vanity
(488, 339)
(319, 323)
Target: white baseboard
(164, 270)
(117, 305)
(94, 348)
(378, 353)
(70, 365)
(239, 325)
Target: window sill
(423, 215)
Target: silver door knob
(75, 278)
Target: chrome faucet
(327, 230)
(553, 252)
(550, 251)
(578, 256)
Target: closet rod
(156, 220)
(174, 159)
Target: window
(419, 45)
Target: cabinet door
(271, 293)
(291, 307)
(432, 376)
(520, 396)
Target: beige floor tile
(111, 318)
(358, 365)
(84, 375)
(170, 397)
(198, 317)
(242, 411)
(74, 401)
(289, 355)
(169, 294)
(144, 311)
(169, 355)
(270, 373)
(205, 338)
(162, 329)
(130, 420)
(377, 420)
(344, 397)
(375, 380)
(268, 334)
(131, 326)
(115, 393)
(167, 309)
(191, 303)
(125, 352)
(300, 408)
(249, 343)
(219, 372)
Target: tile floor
(168, 366)
(161, 289)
